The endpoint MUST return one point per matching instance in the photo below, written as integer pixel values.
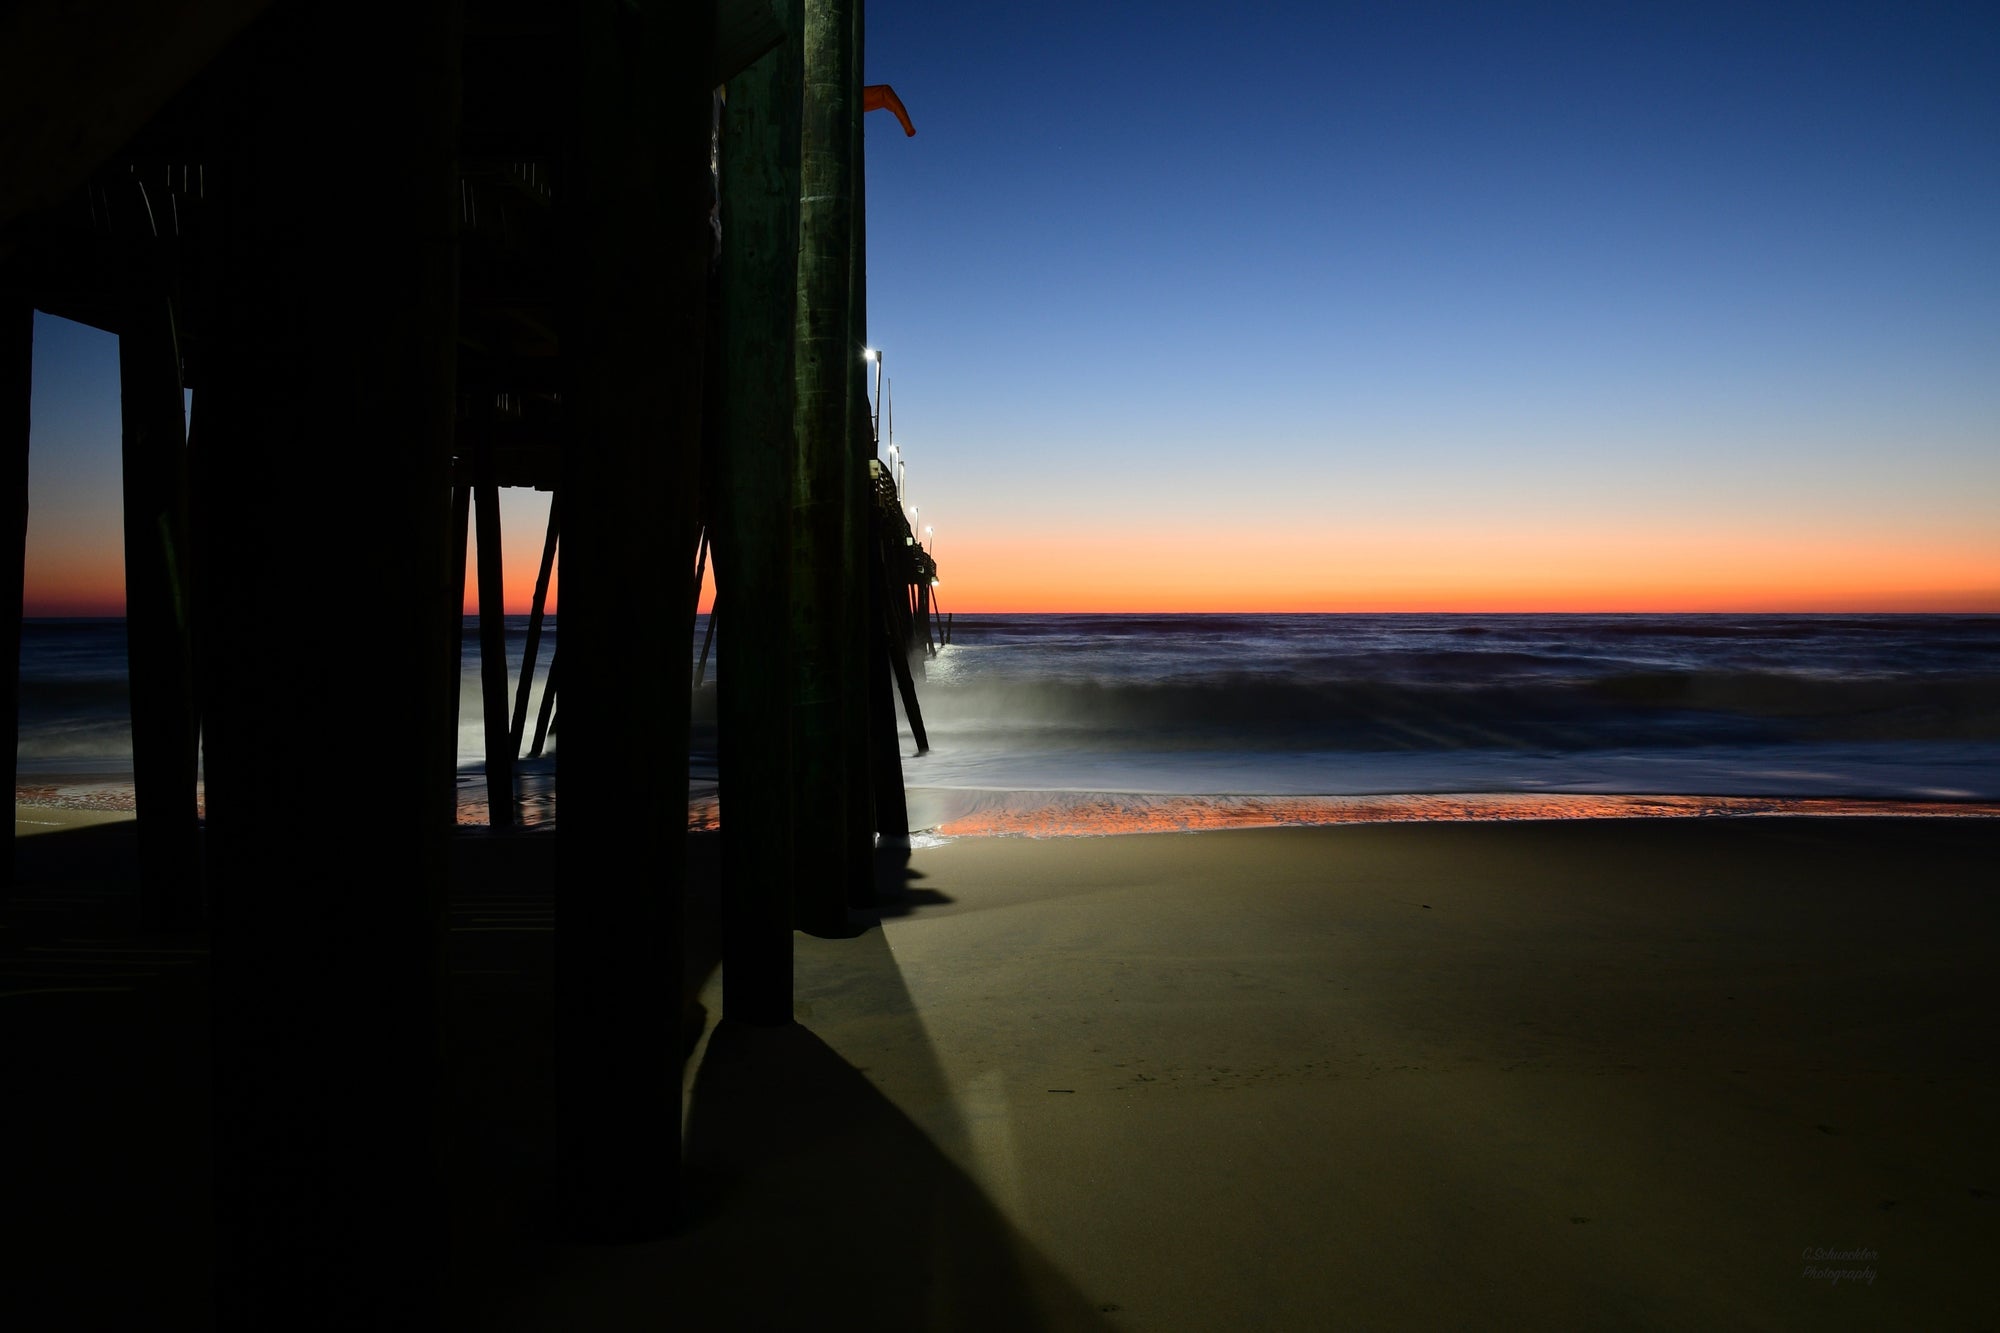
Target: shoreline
(961, 812)
(943, 813)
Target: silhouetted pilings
(17, 356)
(531, 650)
(896, 569)
(826, 549)
(158, 599)
(547, 710)
(500, 746)
(452, 612)
(633, 204)
(516, 298)
(872, 761)
(707, 642)
(754, 488)
(327, 340)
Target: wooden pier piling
(17, 356)
(326, 963)
(531, 650)
(885, 755)
(632, 205)
(546, 713)
(500, 795)
(454, 618)
(825, 574)
(707, 643)
(754, 488)
(158, 632)
(862, 719)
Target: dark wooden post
(327, 937)
(862, 706)
(532, 649)
(158, 648)
(895, 593)
(546, 713)
(892, 810)
(454, 614)
(633, 217)
(825, 619)
(493, 643)
(17, 355)
(707, 642)
(760, 271)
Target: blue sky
(1272, 267)
(1619, 306)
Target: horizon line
(1294, 611)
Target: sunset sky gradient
(1647, 307)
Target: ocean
(75, 748)
(1078, 723)
(1045, 724)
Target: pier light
(873, 356)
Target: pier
(399, 257)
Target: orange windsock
(876, 96)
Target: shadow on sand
(811, 1200)
(105, 1193)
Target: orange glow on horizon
(1379, 572)
(1467, 572)
(74, 582)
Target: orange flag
(876, 96)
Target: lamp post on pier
(874, 357)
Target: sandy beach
(1662, 1074)
(1671, 1073)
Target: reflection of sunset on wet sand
(1085, 814)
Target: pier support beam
(17, 355)
(864, 773)
(493, 644)
(826, 623)
(632, 205)
(892, 808)
(333, 338)
(454, 654)
(531, 651)
(159, 652)
(753, 486)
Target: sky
(1399, 306)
